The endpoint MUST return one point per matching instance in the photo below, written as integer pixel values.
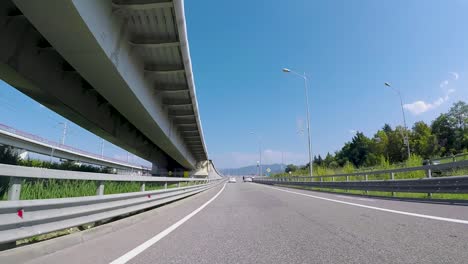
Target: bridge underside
(91, 71)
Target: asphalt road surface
(253, 223)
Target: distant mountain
(253, 170)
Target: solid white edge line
(453, 220)
(136, 251)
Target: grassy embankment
(50, 188)
(349, 169)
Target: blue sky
(348, 48)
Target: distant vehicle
(430, 162)
(232, 180)
(248, 179)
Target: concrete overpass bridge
(31, 143)
(119, 68)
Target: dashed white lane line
(452, 220)
(136, 251)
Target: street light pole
(102, 149)
(405, 135)
(259, 163)
(308, 115)
(64, 133)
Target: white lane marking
(355, 198)
(453, 220)
(134, 252)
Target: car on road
(232, 180)
(248, 179)
(430, 162)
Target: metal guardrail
(453, 158)
(430, 184)
(26, 218)
(17, 173)
(454, 184)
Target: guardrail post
(165, 185)
(333, 178)
(366, 179)
(178, 185)
(100, 188)
(321, 179)
(14, 189)
(392, 177)
(429, 175)
(142, 187)
(347, 180)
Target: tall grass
(32, 189)
(348, 168)
(121, 187)
(51, 188)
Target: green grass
(50, 188)
(121, 187)
(414, 161)
(442, 196)
(451, 159)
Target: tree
(317, 161)
(290, 168)
(328, 160)
(360, 150)
(379, 144)
(342, 156)
(357, 151)
(442, 129)
(396, 147)
(458, 119)
(458, 115)
(423, 142)
(8, 155)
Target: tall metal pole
(282, 161)
(308, 125)
(259, 163)
(260, 152)
(406, 134)
(64, 134)
(309, 138)
(404, 123)
(102, 148)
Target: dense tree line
(445, 136)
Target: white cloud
(269, 156)
(455, 75)
(419, 107)
(352, 131)
(444, 84)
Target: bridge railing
(66, 147)
(423, 179)
(26, 218)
